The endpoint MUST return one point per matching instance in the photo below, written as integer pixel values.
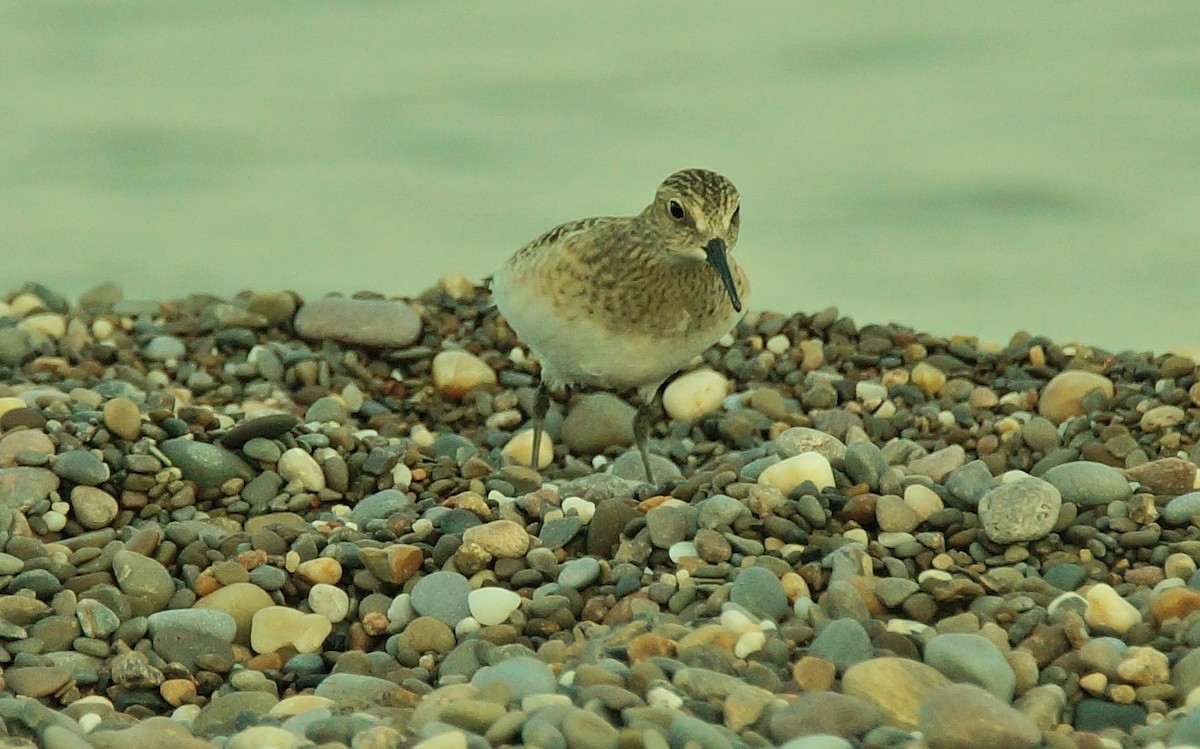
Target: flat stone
(207, 464)
(364, 322)
(1089, 484)
(898, 686)
(36, 681)
(824, 713)
(269, 426)
(972, 659)
(221, 716)
(525, 676)
(23, 487)
(964, 716)
(355, 691)
(154, 732)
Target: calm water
(960, 166)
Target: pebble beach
(267, 522)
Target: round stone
(1022, 510)
(426, 634)
(578, 574)
(842, 642)
(122, 418)
(523, 675)
(1063, 396)
(1108, 611)
(760, 592)
(598, 421)
(456, 373)
(93, 508)
(690, 396)
(442, 595)
(147, 584)
(329, 601)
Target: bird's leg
(541, 406)
(643, 420)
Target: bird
(625, 303)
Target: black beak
(715, 250)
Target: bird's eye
(676, 209)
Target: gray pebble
(1089, 484)
(1021, 510)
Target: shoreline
(285, 521)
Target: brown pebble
(649, 645)
(1174, 603)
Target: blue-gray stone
(442, 595)
(970, 482)
(523, 675)
(206, 464)
(81, 467)
(842, 642)
(378, 506)
(1182, 509)
(759, 591)
(1089, 484)
(972, 659)
(579, 573)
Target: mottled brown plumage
(626, 302)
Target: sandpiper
(622, 303)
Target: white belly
(577, 350)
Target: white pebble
(297, 465)
(466, 626)
(55, 521)
(329, 601)
(663, 697)
(1109, 611)
(491, 606)
(583, 508)
(682, 549)
(789, 473)
(401, 476)
(778, 344)
(749, 643)
(695, 394)
(89, 721)
(738, 622)
(871, 394)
